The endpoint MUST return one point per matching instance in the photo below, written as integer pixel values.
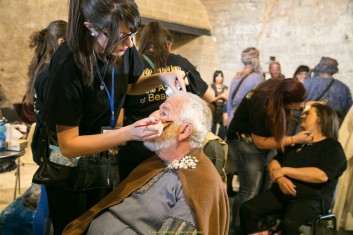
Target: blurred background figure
(242, 82)
(324, 86)
(301, 73)
(344, 204)
(275, 71)
(45, 42)
(221, 94)
(245, 80)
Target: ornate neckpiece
(185, 163)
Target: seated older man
(176, 191)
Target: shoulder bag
(327, 88)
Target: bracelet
(292, 141)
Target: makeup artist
(88, 79)
(259, 124)
(305, 177)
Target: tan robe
(203, 189)
(343, 208)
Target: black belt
(247, 137)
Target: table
(13, 155)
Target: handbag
(89, 173)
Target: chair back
(27, 158)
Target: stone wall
(18, 20)
(295, 32)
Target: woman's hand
(175, 80)
(286, 186)
(147, 129)
(303, 137)
(276, 174)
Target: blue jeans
(41, 220)
(253, 176)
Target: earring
(93, 34)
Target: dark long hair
(45, 43)
(106, 17)
(280, 93)
(154, 38)
(301, 68)
(215, 74)
(328, 120)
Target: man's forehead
(170, 104)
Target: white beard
(158, 145)
(165, 140)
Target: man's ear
(184, 132)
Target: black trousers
(293, 212)
(66, 205)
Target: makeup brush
(153, 123)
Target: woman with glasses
(155, 50)
(259, 125)
(89, 77)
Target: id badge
(106, 129)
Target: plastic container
(2, 136)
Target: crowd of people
(86, 73)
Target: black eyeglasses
(123, 37)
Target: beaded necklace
(186, 162)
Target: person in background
(324, 86)
(221, 93)
(44, 48)
(88, 79)
(305, 177)
(343, 204)
(45, 42)
(275, 71)
(176, 191)
(241, 84)
(245, 80)
(259, 124)
(301, 73)
(155, 49)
